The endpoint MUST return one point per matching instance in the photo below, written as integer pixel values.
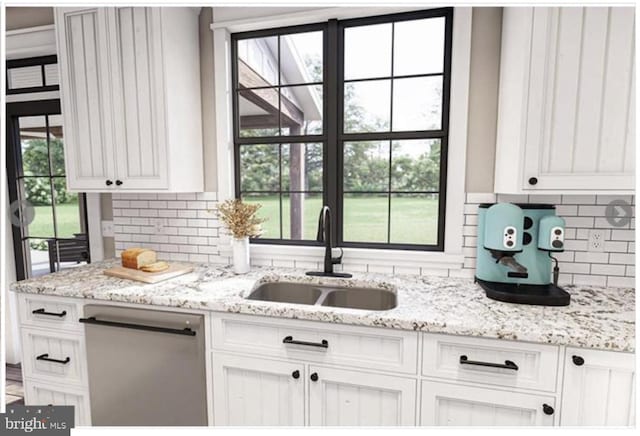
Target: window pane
(365, 217)
(67, 210)
(301, 58)
(300, 216)
(270, 210)
(414, 218)
(24, 77)
(260, 167)
(258, 110)
(367, 51)
(37, 191)
(367, 106)
(33, 141)
(366, 166)
(51, 74)
(418, 46)
(258, 62)
(301, 110)
(302, 167)
(415, 165)
(417, 103)
(36, 256)
(56, 145)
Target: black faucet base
(329, 274)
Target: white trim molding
(31, 42)
(452, 257)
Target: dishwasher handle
(93, 320)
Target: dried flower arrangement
(240, 218)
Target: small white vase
(240, 255)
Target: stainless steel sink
(324, 295)
(361, 298)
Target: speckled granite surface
(597, 317)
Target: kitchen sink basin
(296, 293)
(324, 295)
(361, 298)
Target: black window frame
(333, 137)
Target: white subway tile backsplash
(191, 231)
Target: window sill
(403, 258)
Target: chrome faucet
(324, 235)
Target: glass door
(49, 223)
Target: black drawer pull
(92, 320)
(44, 312)
(314, 377)
(289, 340)
(548, 410)
(46, 357)
(577, 360)
(295, 374)
(506, 365)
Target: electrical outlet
(107, 229)
(596, 240)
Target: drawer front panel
(38, 311)
(495, 362)
(44, 394)
(363, 347)
(54, 356)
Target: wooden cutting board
(175, 270)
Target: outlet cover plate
(596, 240)
(107, 229)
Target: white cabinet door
(349, 398)
(45, 394)
(599, 388)
(138, 81)
(567, 107)
(85, 90)
(251, 391)
(459, 405)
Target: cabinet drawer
(45, 394)
(477, 360)
(39, 311)
(363, 347)
(459, 405)
(53, 356)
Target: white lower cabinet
(255, 391)
(49, 394)
(462, 405)
(598, 388)
(354, 398)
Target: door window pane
(367, 106)
(37, 191)
(301, 110)
(24, 77)
(367, 51)
(414, 219)
(67, 211)
(418, 46)
(366, 166)
(56, 145)
(33, 142)
(365, 217)
(417, 103)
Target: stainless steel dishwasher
(146, 367)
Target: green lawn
(413, 219)
(68, 220)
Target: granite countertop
(597, 317)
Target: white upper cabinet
(566, 116)
(130, 90)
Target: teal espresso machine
(515, 261)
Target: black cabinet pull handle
(533, 180)
(464, 360)
(42, 311)
(48, 359)
(314, 377)
(577, 360)
(548, 410)
(118, 182)
(92, 320)
(295, 374)
(108, 182)
(289, 340)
